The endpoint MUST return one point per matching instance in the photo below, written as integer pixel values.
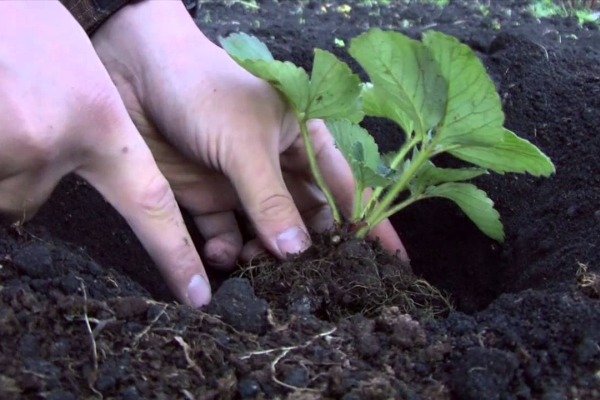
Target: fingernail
(292, 241)
(199, 291)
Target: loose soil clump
(84, 313)
(340, 276)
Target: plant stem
(395, 191)
(397, 208)
(312, 159)
(395, 162)
(358, 201)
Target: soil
(83, 312)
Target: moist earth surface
(84, 314)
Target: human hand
(61, 113)
(223, 138)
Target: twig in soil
(588, 282)
(187, 395)
(144, 331)
(112, 280)
(186, 352)
(284, 352)
(89, 327)
(18, 226)
(100, 323)
(278, 327)
(92, 338)
(545, 51)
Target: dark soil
(84, 314)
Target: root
(588, 282)
(86, 318)
(89, 326)
(186, 352)
(338, 279)
(144, 331)
(283, 351)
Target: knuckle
(157, 198)
(36, 144)
(103, 104)
(30, 137)
(276, 207)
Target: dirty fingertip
(198, 291)
(293, 241)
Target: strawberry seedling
(436, 90)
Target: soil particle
(248, 388)
(35, 261)
(335, 281)
(127, 307)
(408, 333)
(236, 303)
(131, 393)
(483, 374)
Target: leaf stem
(358, 201)
(398, 187)
(312, 159)
(397, 208)
(395, 162)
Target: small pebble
(131, 393)
(248, 388)
(35, 260)
(297, 377)
(105, 383)
(554, 396)
(59, 395)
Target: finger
(311, 202)
(223, 238)
(128, 177)
(268, 204)
(252, 249)
(210, 199)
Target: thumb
(269, 205)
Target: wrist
(90, 14)
(147, 36)
(156, 49)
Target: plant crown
(439, 93)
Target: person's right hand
(60, 113)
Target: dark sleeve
(92, 13)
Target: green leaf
(513, 154)
(374, 106)
(361, 152)
(405, 77)
(334, 89)
(245, 47)
(474, 111)
(430, 175)
(348, 135)
(474, 203)
(252, 55)
(371, 178)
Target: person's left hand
(224, 139)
